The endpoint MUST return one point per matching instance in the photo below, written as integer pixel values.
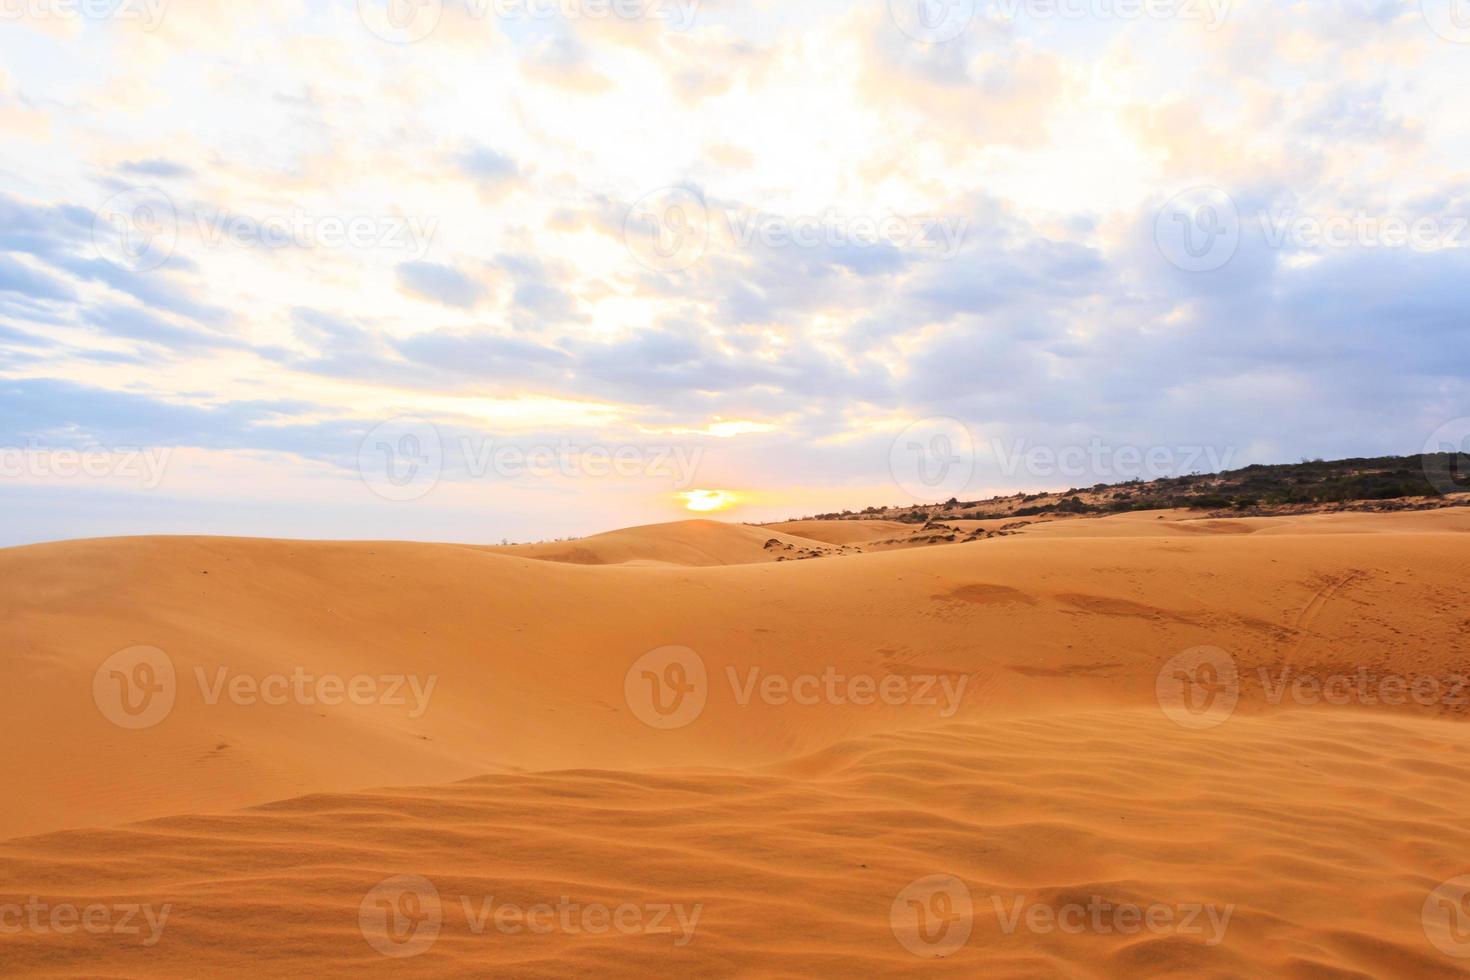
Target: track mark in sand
(1318, 602)
(1067, 670)
(1215, 527)
(1106, 606)
(982, 594)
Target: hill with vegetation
(1378, 483)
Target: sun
(705, 501)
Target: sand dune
(1275, 830)
(1018, 715)
(842, 532)
(685, 543)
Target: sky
(483, 270)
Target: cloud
(154, 168)
(18, 278)
(1055, 316)
(484, 165)
(440, 283)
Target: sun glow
(705, 501)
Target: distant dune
(687, 543)
(995, 712)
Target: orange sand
(1015, 747)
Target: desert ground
(1156, 744)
